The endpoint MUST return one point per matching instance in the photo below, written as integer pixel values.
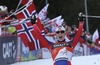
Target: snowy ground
(83, 60)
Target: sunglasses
(60, 32)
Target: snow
(86, 60)
(81, 60)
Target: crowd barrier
(23, 53)
(12, 50)
(8, 46)
(94, 50)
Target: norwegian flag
(43, 13)
(39, 24)
(26, 32)
(23, 2)
(25, 13)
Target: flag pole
(17, 10)
(18, 5)
(87, 26)
(46, 1)
(89, 16)
(14, 20)
(23, 5)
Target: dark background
(69, 10)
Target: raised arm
(78, 34)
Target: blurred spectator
(3, 11)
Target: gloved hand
(80, 17)
(33, 19)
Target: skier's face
(60, 34)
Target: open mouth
(60, 37)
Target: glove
(80, 17)
(33, 19)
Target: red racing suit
(62, 51)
